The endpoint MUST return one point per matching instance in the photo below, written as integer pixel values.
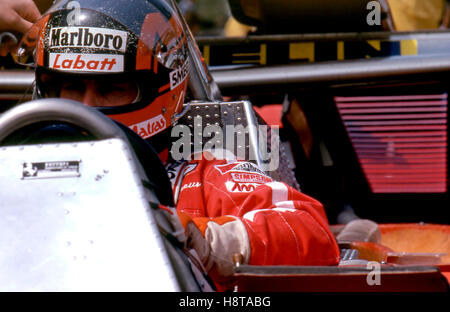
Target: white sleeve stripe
(250, 216)
(285, 204)
(279, 192)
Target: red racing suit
(239, 209)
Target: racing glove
(361, 230)
(215, 241)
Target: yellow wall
(408, 15)
(416, 14)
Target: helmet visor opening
(110, 91)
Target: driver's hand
(360, 230)
(215, 250)
(216, 241)
(196, 241)
(16, 17)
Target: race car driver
(129, 60)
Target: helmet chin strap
(138, 95)
(176, 117)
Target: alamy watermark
(254, 143)
(374, 276)
(73, 18)
(374, 16)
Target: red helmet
(138, 40)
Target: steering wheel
(27, 119)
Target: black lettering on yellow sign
(259, 56)
(302, 51)
(288, 52)
(323, 51)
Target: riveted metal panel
(75, 217)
